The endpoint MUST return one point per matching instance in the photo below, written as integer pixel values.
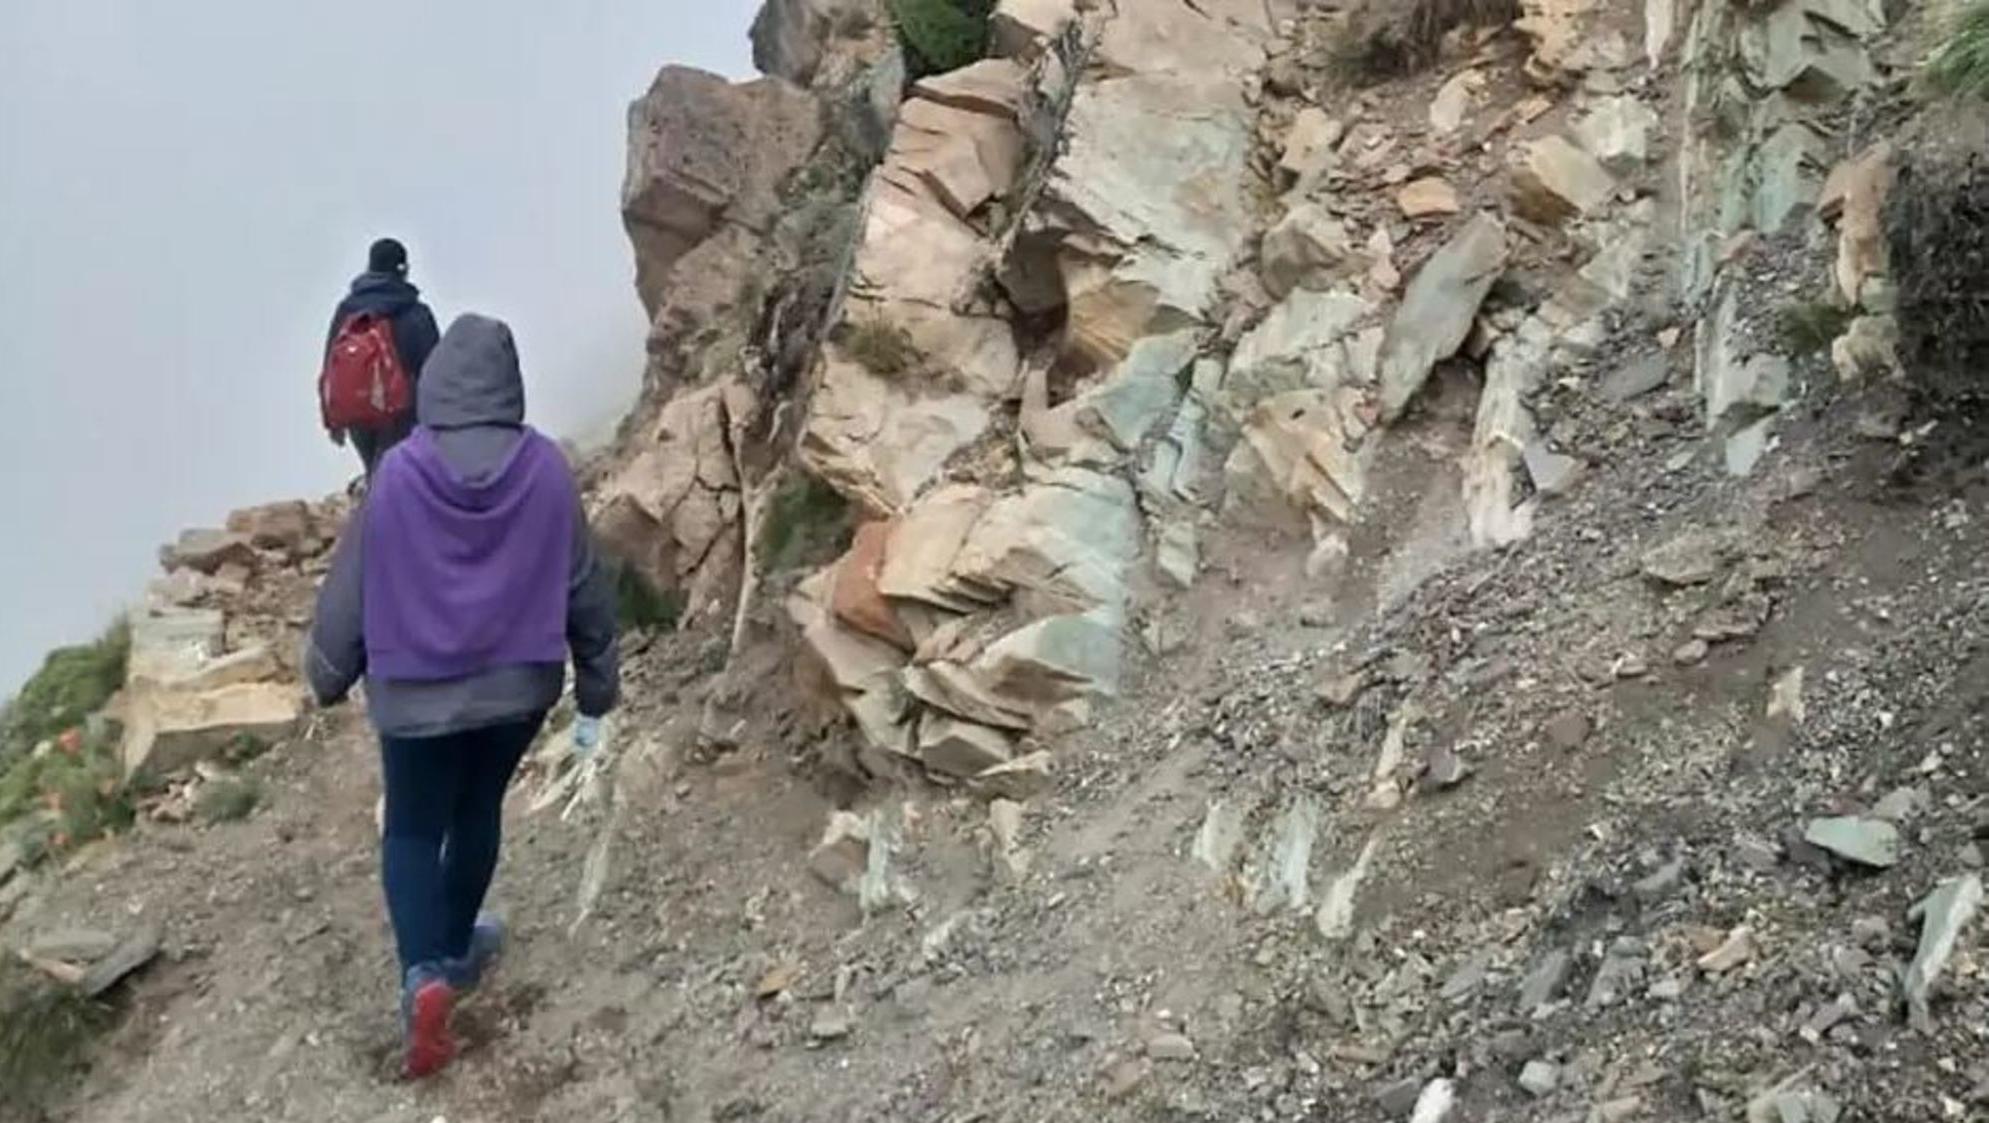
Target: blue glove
(586, 736)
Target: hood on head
(386, 288)
(472, 377)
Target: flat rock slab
(1868, 842)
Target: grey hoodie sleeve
(335, 650)
(591, 626)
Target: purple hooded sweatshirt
(463, 577)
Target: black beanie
(387, 256)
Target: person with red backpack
(380, 336)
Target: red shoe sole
(429, 1045)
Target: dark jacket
(391, 295)
(473, 397)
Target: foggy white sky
(185, 189)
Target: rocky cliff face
(1136, 278)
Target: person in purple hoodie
(457, 592)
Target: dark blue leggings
(444, 821)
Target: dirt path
(1125, 978)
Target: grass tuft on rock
(807, 521)
(883, 348)
(45, 1032)
(1960, 65)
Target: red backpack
(364, 385)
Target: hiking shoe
(427, 1001)
(486, 943)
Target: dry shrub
(1386, 39)
(1937, 229)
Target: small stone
(1543, 984)
(1869, 842)
(1568, 731)
(1399, 1099)
(1123, 1078)
(1662, 880)
(1901, 804)
(830, 1025)
(1691, 653)
(1619, 1110)
(1465, 981)
(1734, 951)
(1539, 1078)
(1341, 691)
(133, 953)
(1668, 989)
(1446, 768)
(1692, 558)
(1435, 1104)
(1757, 853)
(1631, 665)
(1427, 198)
(1171, 1047)
(1871, 932)
(1943, 914)
(1614, 980)
(1553, 473)
(1971, 856)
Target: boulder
(672, 510)
(965, 156)
(1554, 181)
(1306, 249)
(952, 747)
(1310, 145)
(250, 664)
(917, 260)
(1453, 101)
(1617, 132)
(1055, 660)
(995, 87)
(172, 644)
(1066, 541)
(704, 154)
(207, 550)
(1558, 30)
(1854, 197)
(789, 36)
(843, 852)
(1812, 48)
(1307, 340)
(854, 599)
(958, 690)
(1148, 203)
(1437, 312)
(1302, 448)
(1173, 37)
(1726, 377)
(1020, 28)
(167, 730)
(918, 560)
(276, 526)
(1869, 348)
(1139, 393)
(880, 443)
(854, 662)
(1788, 174)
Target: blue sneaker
(486, 944)
(427, 1001)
